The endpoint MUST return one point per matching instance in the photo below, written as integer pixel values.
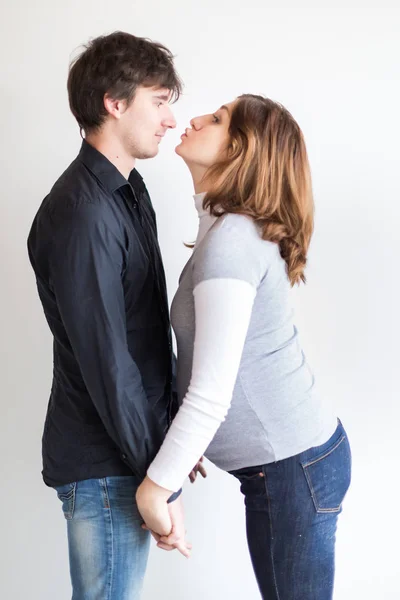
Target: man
(93, 247)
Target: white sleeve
(223, 310)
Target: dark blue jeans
(292, 508)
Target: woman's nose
(195, 123)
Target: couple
(126, 425)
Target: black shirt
(93, 246)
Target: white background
(336, 67)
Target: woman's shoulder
(234, 248)
(235, 222)
(244, 232)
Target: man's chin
(148, 154)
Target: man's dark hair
(117, 64)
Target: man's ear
(114, 107)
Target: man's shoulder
(76, 187)
(77, 203)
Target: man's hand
(176, 539)
(199, 468)
(152, 504)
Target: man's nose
(169, 120)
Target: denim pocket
(328, 476)
(66, 493)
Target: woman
(249, 401)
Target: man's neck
(114, 152)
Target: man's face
(145, 122)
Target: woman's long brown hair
(266, 175)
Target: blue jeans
(292, 508)
(108, 549)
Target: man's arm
(86, 266)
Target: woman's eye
(215, 119)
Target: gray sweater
(248, 395)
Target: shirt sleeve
(223, 310)
(86, 265)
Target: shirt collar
(107, 173)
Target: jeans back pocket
(328, 476)
(66, 493)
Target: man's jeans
(292, 508)
(108, 549)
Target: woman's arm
(223, 308)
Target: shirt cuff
(174, 496)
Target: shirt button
(124, 457)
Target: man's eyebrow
(164, 97)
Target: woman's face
(206, 141)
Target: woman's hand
(152, 504)
(177, 538)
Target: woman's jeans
(108, 549)
(292, 508)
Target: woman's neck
(200, 182)
(206, 220)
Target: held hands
(164, 521)
(152, 504)
(177, 538)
